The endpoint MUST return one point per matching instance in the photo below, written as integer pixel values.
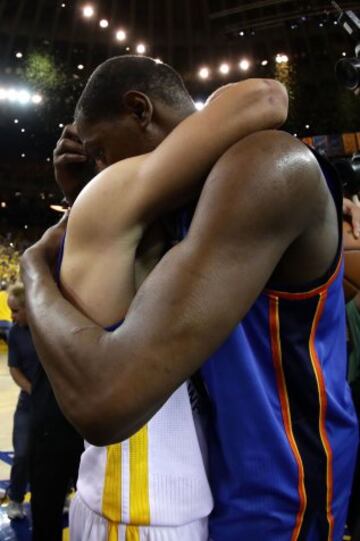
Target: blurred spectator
(5, 313)
(23, 363)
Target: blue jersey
(283, 432)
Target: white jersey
(155, 478)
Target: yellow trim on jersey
(132, 533)
(139, 478)
(111, 504)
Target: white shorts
(85, 525)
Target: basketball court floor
(17, 530)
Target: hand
(352, 211)
(71, 164)
(44, 254)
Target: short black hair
(101, 97)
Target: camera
(348, 69)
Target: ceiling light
(264, 62)
(281, 58)
(204, 73)
(244, 64)
(36, 98)
(16, 121)
(158, 61)
(104, 23)
(19, 54)
(224, 69)
(140, 48)
(80, 67)
(121, 35)
(88, 11)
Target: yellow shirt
(5, 314)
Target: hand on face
(71, 164)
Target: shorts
(85, 525)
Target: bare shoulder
(271, 173)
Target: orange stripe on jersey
(285, 409)
(307, 294)
(322, 417)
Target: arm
(20, 379)
(146, 186)
(190, 293)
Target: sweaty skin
(279, 222)
(110, 216)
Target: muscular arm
(20, 379)
(110, 215)
(110, 384)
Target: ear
(140, 106)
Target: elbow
(276, 102)
(101, 426)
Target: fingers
(355, 220)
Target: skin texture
(145, 187)
(236, 244)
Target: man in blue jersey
(251, 294)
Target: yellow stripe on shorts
(139, 484)
(139, 478)
(111, 504)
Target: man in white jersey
(154, 485)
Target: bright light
(121, 35)
(344, 53)
(104, 23)
(19, 54)
(158, 61)
(244, 64)
(88, 11)
(128, 48)
(24, 97)
(281, 58)
(58, 208)
(23, 155)
(224, 69)
(199, 105)
(16, 121)
(80, 67)
(307, 126)
(3, 205)
(61, 125)
(36, 99)
(140, 48)
(204, 73)
(63, 5)
(23, 130)
(242, 34)
(12, 95)
(3, 94)
(264, 62)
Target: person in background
(5, 314)
(23, 364)
(47, 449)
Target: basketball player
(255, 290)
(165, 489)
